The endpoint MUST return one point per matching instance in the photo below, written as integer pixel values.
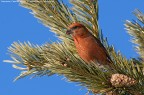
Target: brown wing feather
(103, 49)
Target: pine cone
(120, 80)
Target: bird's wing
(104, 49)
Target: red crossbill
(88, 46)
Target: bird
(89, 48)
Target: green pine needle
(61, 58)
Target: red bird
(88, 47)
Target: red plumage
(88, 47)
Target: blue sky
(17, 24)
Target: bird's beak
(68, 32)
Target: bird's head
(77, 29)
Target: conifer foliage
(124, 77)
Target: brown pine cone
(120, 80)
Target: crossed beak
(68, 32)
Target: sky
(17, 24)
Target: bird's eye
(75, 27)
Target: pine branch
(137, 31)
(127, 67)
(27, 58)
(139, 15)
(87, 12)
(61, 58)
(53, 14)
(131, 68)
(57, 16)
(57, 58)
(121, 65)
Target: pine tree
(126, 77)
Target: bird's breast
(86, 48)
(90, 49)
